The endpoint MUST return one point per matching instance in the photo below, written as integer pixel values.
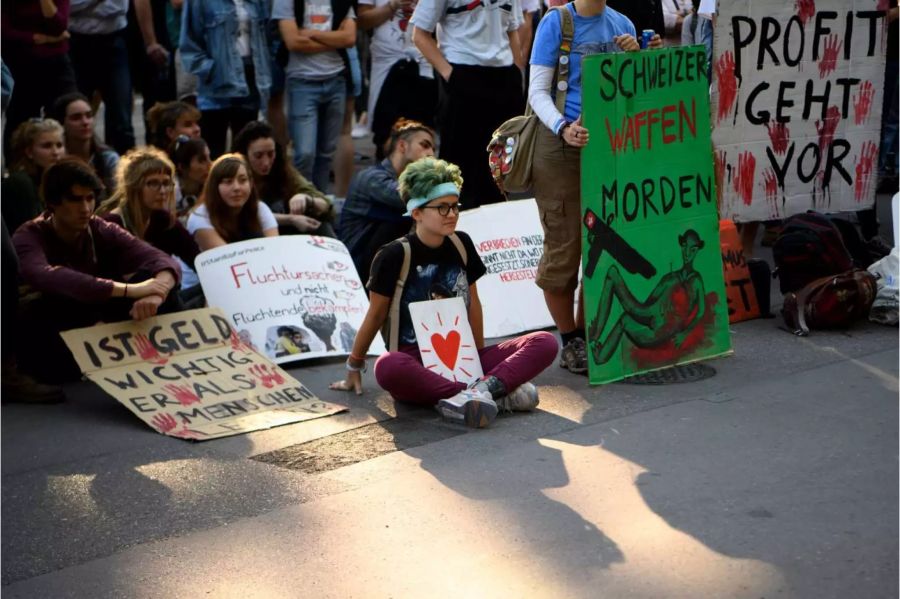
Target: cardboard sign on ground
(796, 106)
(189, 375)
(445, 339)
(742, 304)
(510, 241)
(653, 287)
(293, 297)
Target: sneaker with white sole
(471, 407)
(574, 356)
(523, 398)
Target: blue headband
(438, 191)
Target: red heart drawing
(446, 348)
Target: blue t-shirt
(590, 34)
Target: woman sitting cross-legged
(228, 209)
(430, 188)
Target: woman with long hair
(35, 145)
(74, 112)
(169, 120)
(192, 162)
(298, 206)
(144, 205)
(228, 209)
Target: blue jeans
(315, 116)
(101, 63)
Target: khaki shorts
(556, 174)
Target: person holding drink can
(556, 168)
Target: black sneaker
(574, 356)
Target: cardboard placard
(189, 375)
(653, 287)
(510, 241)
(742, 304)
(294, 297)
(796, 106)
(445, 339)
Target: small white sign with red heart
(445, 339)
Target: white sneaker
(523, 398)
(473, 408)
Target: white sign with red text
(293, 297)
(510, 241)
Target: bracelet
(562, 130)
(353, 368)
(360, 359)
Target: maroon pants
(514, 362)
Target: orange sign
(742, 303)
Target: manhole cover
(687, 373)
(357, 445)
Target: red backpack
(830, 302)
(808, 248)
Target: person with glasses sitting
(82, 270)
(443, 263)
(373, 212)
(144, 205)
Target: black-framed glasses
(445, 209)
(156, 185)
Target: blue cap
(438, 191)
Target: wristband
(562, 129)
(353, 368)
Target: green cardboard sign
(654, 291)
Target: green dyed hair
(420, 176)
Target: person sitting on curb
(86, 270)
(431, 190)
(373, 212)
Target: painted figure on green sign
(670, 313)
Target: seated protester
(373, 212)
(144, 206)
(169, 120)
(298, 206)
(228, 209)
(431, 189)
(36, 144)
(192, 162)
(77, 117)
(87, 270)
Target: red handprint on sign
(147, 351)
(826, 130)
(806, 9)
(238, 344)
(164, 423)
(771, 184)
(864, 168)
(746, 173)
(827, 64)
(779, 135)
(182, 394)
(268, 376)
(726, 83)
(862, 102)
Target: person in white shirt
(479, 63)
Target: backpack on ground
(830, 302)
(808, 248)
(390, 330)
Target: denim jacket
(208, 49)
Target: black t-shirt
(434, 273)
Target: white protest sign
(445, 339)
(510, 241)
(189, 375)
(796, 106)
(293, 297)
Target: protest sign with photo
(293, 297)
(654, 293)
(445, 339)
(510, 241)
(796, 106)
(189, 375)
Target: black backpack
(809, 247)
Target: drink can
(646, 36)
